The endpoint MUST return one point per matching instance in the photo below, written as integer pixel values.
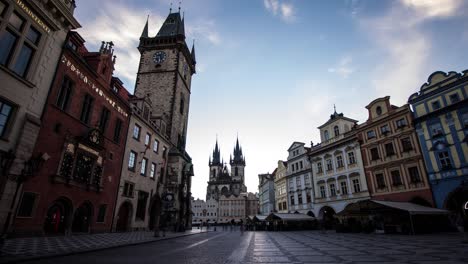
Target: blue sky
(271, 70)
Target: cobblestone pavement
(284, 247)
(33, 247)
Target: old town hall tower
(164, 77)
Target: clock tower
(165, 76)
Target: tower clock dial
(159, 57)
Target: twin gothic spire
(238, 159)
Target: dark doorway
(327, 215)
(155, 212)
(58, 215)
(82, 218)
(123, 217)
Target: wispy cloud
(285, 10)
(404, 46)
(204, 29)
(344, 68)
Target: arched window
(325, 135)
(336, 130)
(236, 171)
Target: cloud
(286, 11)
(403, 45)
(204, 29)
(343, 68)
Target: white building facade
(338, 169)
(299, 180)
(204, 212)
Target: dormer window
(378, 110)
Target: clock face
(159, 57)
(94, 137)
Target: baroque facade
(299, 180)
(32, 34)
(441, 121)
(237, 208)
(391, 154)
(83, 133)
(165, 77)
(338, 168)
(281, 194)
(204, 212)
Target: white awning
(412, 208)
(290, 217)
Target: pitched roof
(173, 25)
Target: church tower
(215, 163)
(237, 162)
(165, 75)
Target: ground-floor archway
(124, 217)
(327, 217)
(58, 216)
(82, 218)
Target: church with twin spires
(223, 181)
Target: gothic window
(236, 171)
(132, 160)
(117, 130)
(141, 205)
(323, 194)
(389, 149)
(406, 143)
(444, 160)
(65, 93)
(84, 167)
(101, 213)
(325, 135)
(356, 185)
(344, 188)
(351, 158)
(379, 177)
(339, 161)
(374, 154)
(319, 167)
(336, 131)
(27, 204)
(105, 114)
(88, 101)
(332, 190)
(136, 132)
(396, 178)
(414, 174)
(6, 112)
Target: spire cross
(334, 107)
(170, 9)
(179, 5)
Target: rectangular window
(435, 105)
(414, 174)
(292, 199)
(298, 182)
(7, 43)
(356, 185)
(141, 205)
(131, 160)
(301, 165)
(299, 198)
(351, 158)
(332, 190)
(344, 188)
(396, 178)
(308, 197)
(144, 162)
(65, 93)
(436, 130)
(136, 132)
(401, 123)
(370, 134)
(307, 180)
(465, 120)
(16, 21)
(22, 61)
(329, 165)
(27, 204)
(128, 189)
(280, 207)
(379, 178)
(385, 129)
(105, 114)
(444, 160)
(389, 149)
(285, 207)
(406, 144)
(101, 213)
(147, 139)
(3, 8)
(339, 161)
(319, 167)
(6, 111)
(374, 153)
(454, 98)
(86, 108)
(153, 170)
(117, 130)
(156, 146)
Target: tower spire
(144, 34)
(170, 9)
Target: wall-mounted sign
(33, 16)
(92, 86)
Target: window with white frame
(344, 188)
(329, 165)
(339, 161)
(323, 194)
(319, 167)
(356, 185)
(332, 190)
(351, 158)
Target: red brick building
(85, 123)
(392, 158)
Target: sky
(270, 71)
